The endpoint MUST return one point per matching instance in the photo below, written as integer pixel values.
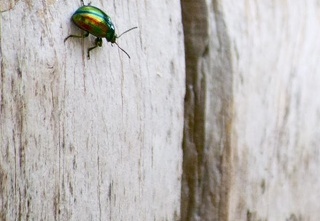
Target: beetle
(94, 21)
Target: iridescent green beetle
(94, 21)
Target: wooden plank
(96, 139)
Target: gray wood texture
(252, 135)
(96, 139)
(214, 117)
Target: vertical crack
(208, 110)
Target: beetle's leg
(77, 36)
(98, 43)
(84, 4)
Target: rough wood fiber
(207, 114)
(96, 139)
(276, 133)
(251, 137)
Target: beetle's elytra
(94, 21)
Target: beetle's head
(111, 36)
(113, 39)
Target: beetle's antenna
(120, 36)
(126, 32)
(122, 50)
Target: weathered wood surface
(100, 139)
(252, 135)
(276, 133)
(96, 139)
